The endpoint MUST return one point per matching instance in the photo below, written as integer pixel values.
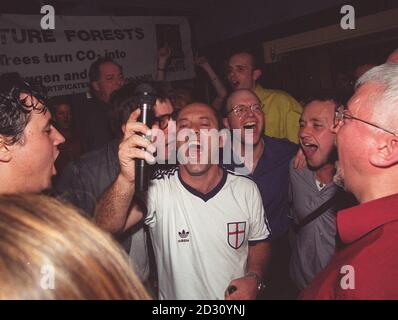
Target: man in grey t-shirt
(310, 187)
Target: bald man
(207, 225)
(367, 145)
(269, 168)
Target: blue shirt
(272, 178)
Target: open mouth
(194, 149)
(309, 149)
(53, 169)
(250, 125)
(235, 84)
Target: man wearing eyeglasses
(269, 168)
(281, 111)
(367, 144)
(84, 182)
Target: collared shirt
(282, 113)
(367, 268)
(314, 244)
(272, 178)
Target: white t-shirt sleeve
(258, 224)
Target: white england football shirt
(201, 241)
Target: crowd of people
(251, 196)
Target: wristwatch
(260, 284)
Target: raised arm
(115, 210)
(215, 81)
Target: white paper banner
(60, 58)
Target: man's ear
(257, 74)
(5, 153)
(124, 128)
(225, 122)
(386, 154)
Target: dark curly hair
(14, 112)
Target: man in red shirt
(367, 143)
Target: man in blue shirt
(268, 166)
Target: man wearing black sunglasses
(367, 144)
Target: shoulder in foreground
(164, 172)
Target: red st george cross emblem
(236, 234)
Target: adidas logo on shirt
(183, 236)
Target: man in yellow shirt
(282, 112)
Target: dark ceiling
(113, 7)
(212, 21)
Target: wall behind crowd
(299, 72)
(302, 72)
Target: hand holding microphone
(136, 149)
(145, 97)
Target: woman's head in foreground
(49, 251)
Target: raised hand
(201, 62)
(131, 146)
(299, 160)
(164, 54)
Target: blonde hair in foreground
(49, 251)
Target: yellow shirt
(282, 113)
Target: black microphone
(145, 97)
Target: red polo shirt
(367, 268)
